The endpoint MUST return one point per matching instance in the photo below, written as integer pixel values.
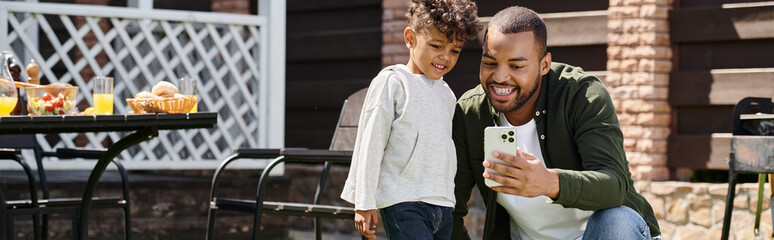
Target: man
(570, 178)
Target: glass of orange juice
(103, 95)
(188, 88)
(8, 97)
(7, 104)
(8, 94)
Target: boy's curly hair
(455, 18)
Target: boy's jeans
(417, 220)
(616, 223)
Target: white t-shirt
(538, 217)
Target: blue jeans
(417, 220)
(616, 223)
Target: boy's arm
(463, 181)
(374, 129)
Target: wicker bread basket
(180, 104)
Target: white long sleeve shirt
(404, 149)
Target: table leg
(4, 232)
(113, 151)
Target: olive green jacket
(579, 137)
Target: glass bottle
(16, 75)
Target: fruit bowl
(177, 104)
(51, 100)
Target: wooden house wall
(333, 50)
(722, 53)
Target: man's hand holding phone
(522, 175)
(500, 139)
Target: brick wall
(394, 20)
(639, 62)
(231, 6)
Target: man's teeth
(439, 66)
(502, 91)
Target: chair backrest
(346, 129)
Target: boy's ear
(409, 37)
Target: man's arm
(605, 179)
(463, 181)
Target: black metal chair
(11, 208)
(338, 153)
(47, 205)
(751, 150)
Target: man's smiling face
(511, 69)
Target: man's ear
(409, 37)
(545, 64)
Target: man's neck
(522, 115)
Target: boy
(404, 158)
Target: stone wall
(696, 210)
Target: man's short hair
(455, 18)
(518, 19)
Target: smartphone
(501, 139)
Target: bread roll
(145, 94)
(164, 89)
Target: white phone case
(501, 139)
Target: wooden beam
(720, 86)
(733, 22)
(699, 151)
(490, 8)
(576, 28)
(571, 28)
(357, 45)
(702, 56)
(305, 5)
(336, 21)
(602, 75)
(322, 94)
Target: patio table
(145, 126)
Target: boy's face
(432, 53)
(511, 69)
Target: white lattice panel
(140, 48)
